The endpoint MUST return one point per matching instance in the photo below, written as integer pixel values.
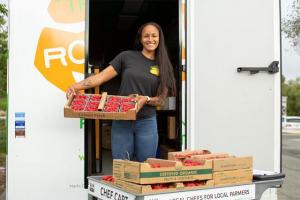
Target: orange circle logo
(67, 11)
(60, 54)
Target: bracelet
(148, 99)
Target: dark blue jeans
(139, 138)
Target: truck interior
(111, 27)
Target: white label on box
(105, 192)
(243, 192)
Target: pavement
(3, 196)
(295, 131)
(290, 166)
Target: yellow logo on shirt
(154, 70)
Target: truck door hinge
(272, 68)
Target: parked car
(291, 122)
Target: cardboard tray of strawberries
(101, 106)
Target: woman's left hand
(141, 101)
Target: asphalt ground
(290, 166)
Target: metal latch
(272, 68)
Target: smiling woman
(149, 40)
(120, 35)
(138, 138)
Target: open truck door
(227, 110)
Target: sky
(290, 58)
(3, 1)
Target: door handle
(272, 68)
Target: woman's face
(150, 38)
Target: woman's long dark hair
(166, 73)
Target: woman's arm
(159, 100)
(153, 101)
(93, 81)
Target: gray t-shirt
(136, 77)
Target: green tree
(291, 25)
(284, 86)
(292, 91)
(3, 49)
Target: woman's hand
(70, 91)
(92, 81)
(141, 101)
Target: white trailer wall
(228, 111)
(45, 54)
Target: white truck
(228, 98)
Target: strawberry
(155, 165)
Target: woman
(147, 72)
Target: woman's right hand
(70, 91)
